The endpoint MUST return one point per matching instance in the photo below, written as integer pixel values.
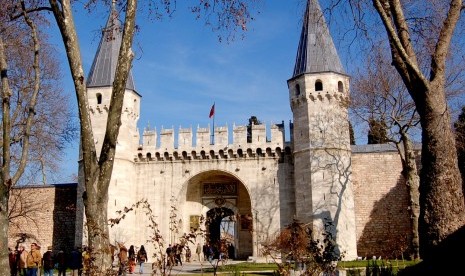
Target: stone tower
(318, 94)
(99, 92)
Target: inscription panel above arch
(210, 189)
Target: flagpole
(212, 114)
(213, 136)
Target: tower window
(99, 98)
(340, 86)
(297, 89)
(318, 85)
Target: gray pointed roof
(102, 72)
(316, 52)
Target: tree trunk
(442, 203)
(7, 180)
(5, 173)
(442, 206)
(97, 174)
(4, 265)
(95, 195)
(412, 180)
(95, 201)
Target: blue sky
(181, 69)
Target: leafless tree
(34, 113)
(97, 169)
(53, 125)
(22, 207)
(295, 246)
(161, 261)
(421, 35)
(442, 206)
(379, 94)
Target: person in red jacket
(12, 261)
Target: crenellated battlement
(322, 97)
(323, 88)
(99, 104)
(244, 143)
(102, 110)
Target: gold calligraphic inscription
(219, 189)
(194, 222)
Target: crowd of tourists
(129, 259)
(220, 252)
(29, 263)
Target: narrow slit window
(340, 86)
(297, 89)
(318, 85)
(99, 98)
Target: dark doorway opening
(221, 231)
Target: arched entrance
(225, 203)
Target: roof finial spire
(316, 52)
(103, 68)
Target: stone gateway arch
(256, 182)
(225, 203)
(260, 183)
(249, 182)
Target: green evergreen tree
(378, 131)
(351, 133)
(253, 120)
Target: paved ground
(186, 268)
(196, 267)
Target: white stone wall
(169, 175)
(264, 180)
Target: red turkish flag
(212, 111)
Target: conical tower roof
(102, 72)
(316, 52)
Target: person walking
(12, 255)
(188, 254)
(141, 258)
(132, 259)
(198, 251)
(47, 262)
(177, 248)
(33, 260)
(61, 263)
(76, 262)
(123, 259)
(22, 262)
(205, 250)
(17, 259)
(169, 256)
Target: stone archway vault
(217, 189)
